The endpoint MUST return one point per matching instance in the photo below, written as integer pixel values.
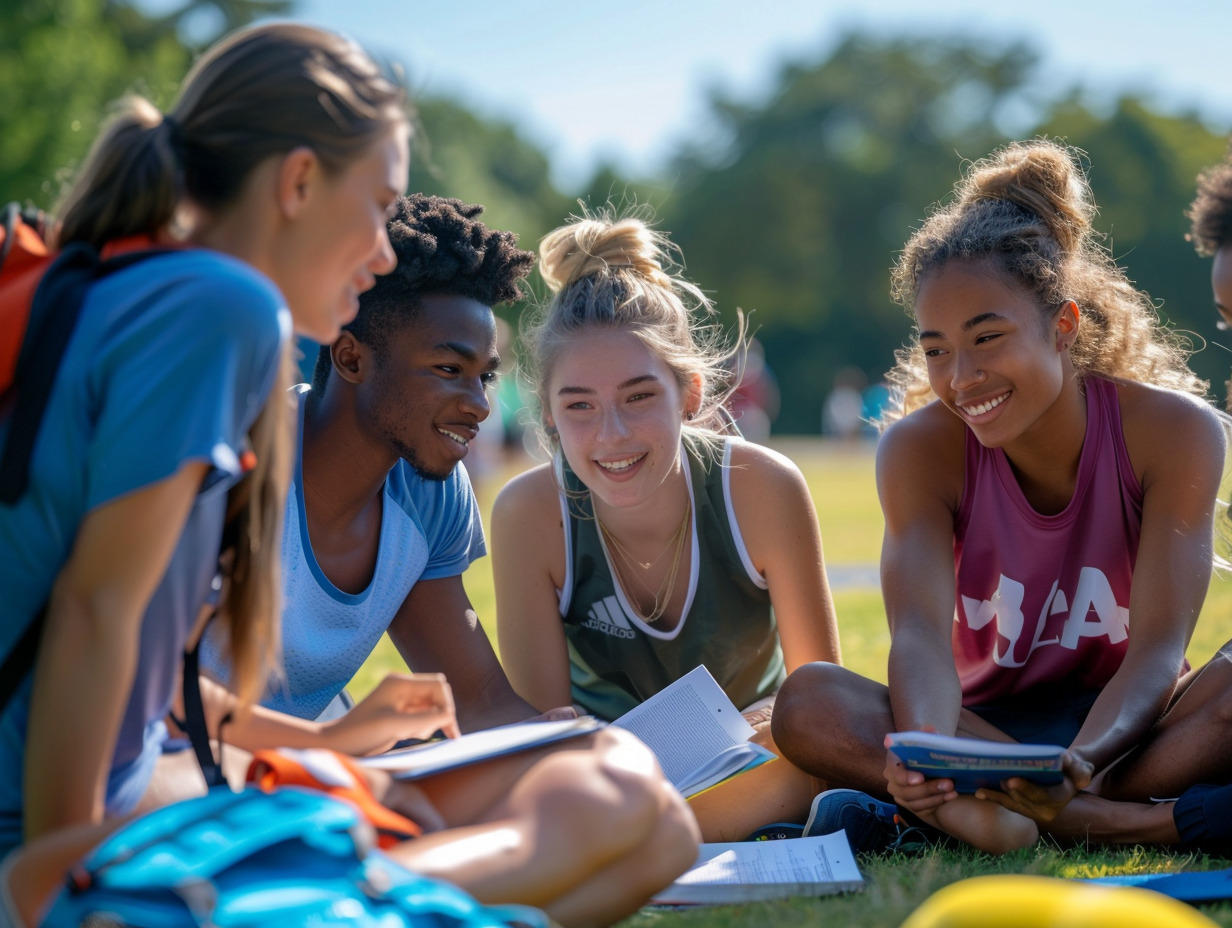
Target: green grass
(895, 886)
(841, 480)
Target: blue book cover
(1188, 886)
(973, 763)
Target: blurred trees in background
(457, 154)
(63, 61)
(795, 209)
(800, 215)
(60, 63)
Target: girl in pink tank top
(1049, 484)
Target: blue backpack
(293, 857)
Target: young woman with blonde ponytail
(654, 541)
(167, 430)
(1049, 487)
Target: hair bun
(596, 245)
(1044, 178)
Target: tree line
(796, 212)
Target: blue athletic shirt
(170, 362)
(430, 529)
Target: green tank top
(616, 660)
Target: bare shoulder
(774, 508)
(1160, 411)
(1166, 430)
(528, 508)
(756, 469)
(530, 492)
(923, 452)
(527, 528)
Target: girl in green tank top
(654, 541)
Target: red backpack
(24, 258)
(41, 292)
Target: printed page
(422, 760)
(687, 724)
(753, 870)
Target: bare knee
(822, 711)
(805, 690)
(665, 832)
(615, 797)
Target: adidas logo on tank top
(609, 617)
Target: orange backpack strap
(335, 774)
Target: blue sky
(626, 81)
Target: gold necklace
(624, 552)
(662, 596)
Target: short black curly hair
(441, 248)
(1211, 211)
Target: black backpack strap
(194, 723)
(14, 470)
(20, 661)
(53, 316)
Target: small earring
(688, 416)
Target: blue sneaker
(872, 826)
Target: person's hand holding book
(913, 791)
(401, 706)
(1038, 802)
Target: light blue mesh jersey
(429, 529)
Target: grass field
(841, 479)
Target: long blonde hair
(1027, 210)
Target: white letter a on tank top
(1094, 594)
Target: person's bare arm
(400, 706)
(1182, 446)
(527, 539)
(779, 524)
(436, 631)
(918, 489)
(89, 646)
(919, 479)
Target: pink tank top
(1043, 599)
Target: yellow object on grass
(1018, 901)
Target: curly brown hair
(1027, 210)
(1210, 214)
(441, 248)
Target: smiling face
(618, 410)
(992, 358)
(427, 391)
(340, 243)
